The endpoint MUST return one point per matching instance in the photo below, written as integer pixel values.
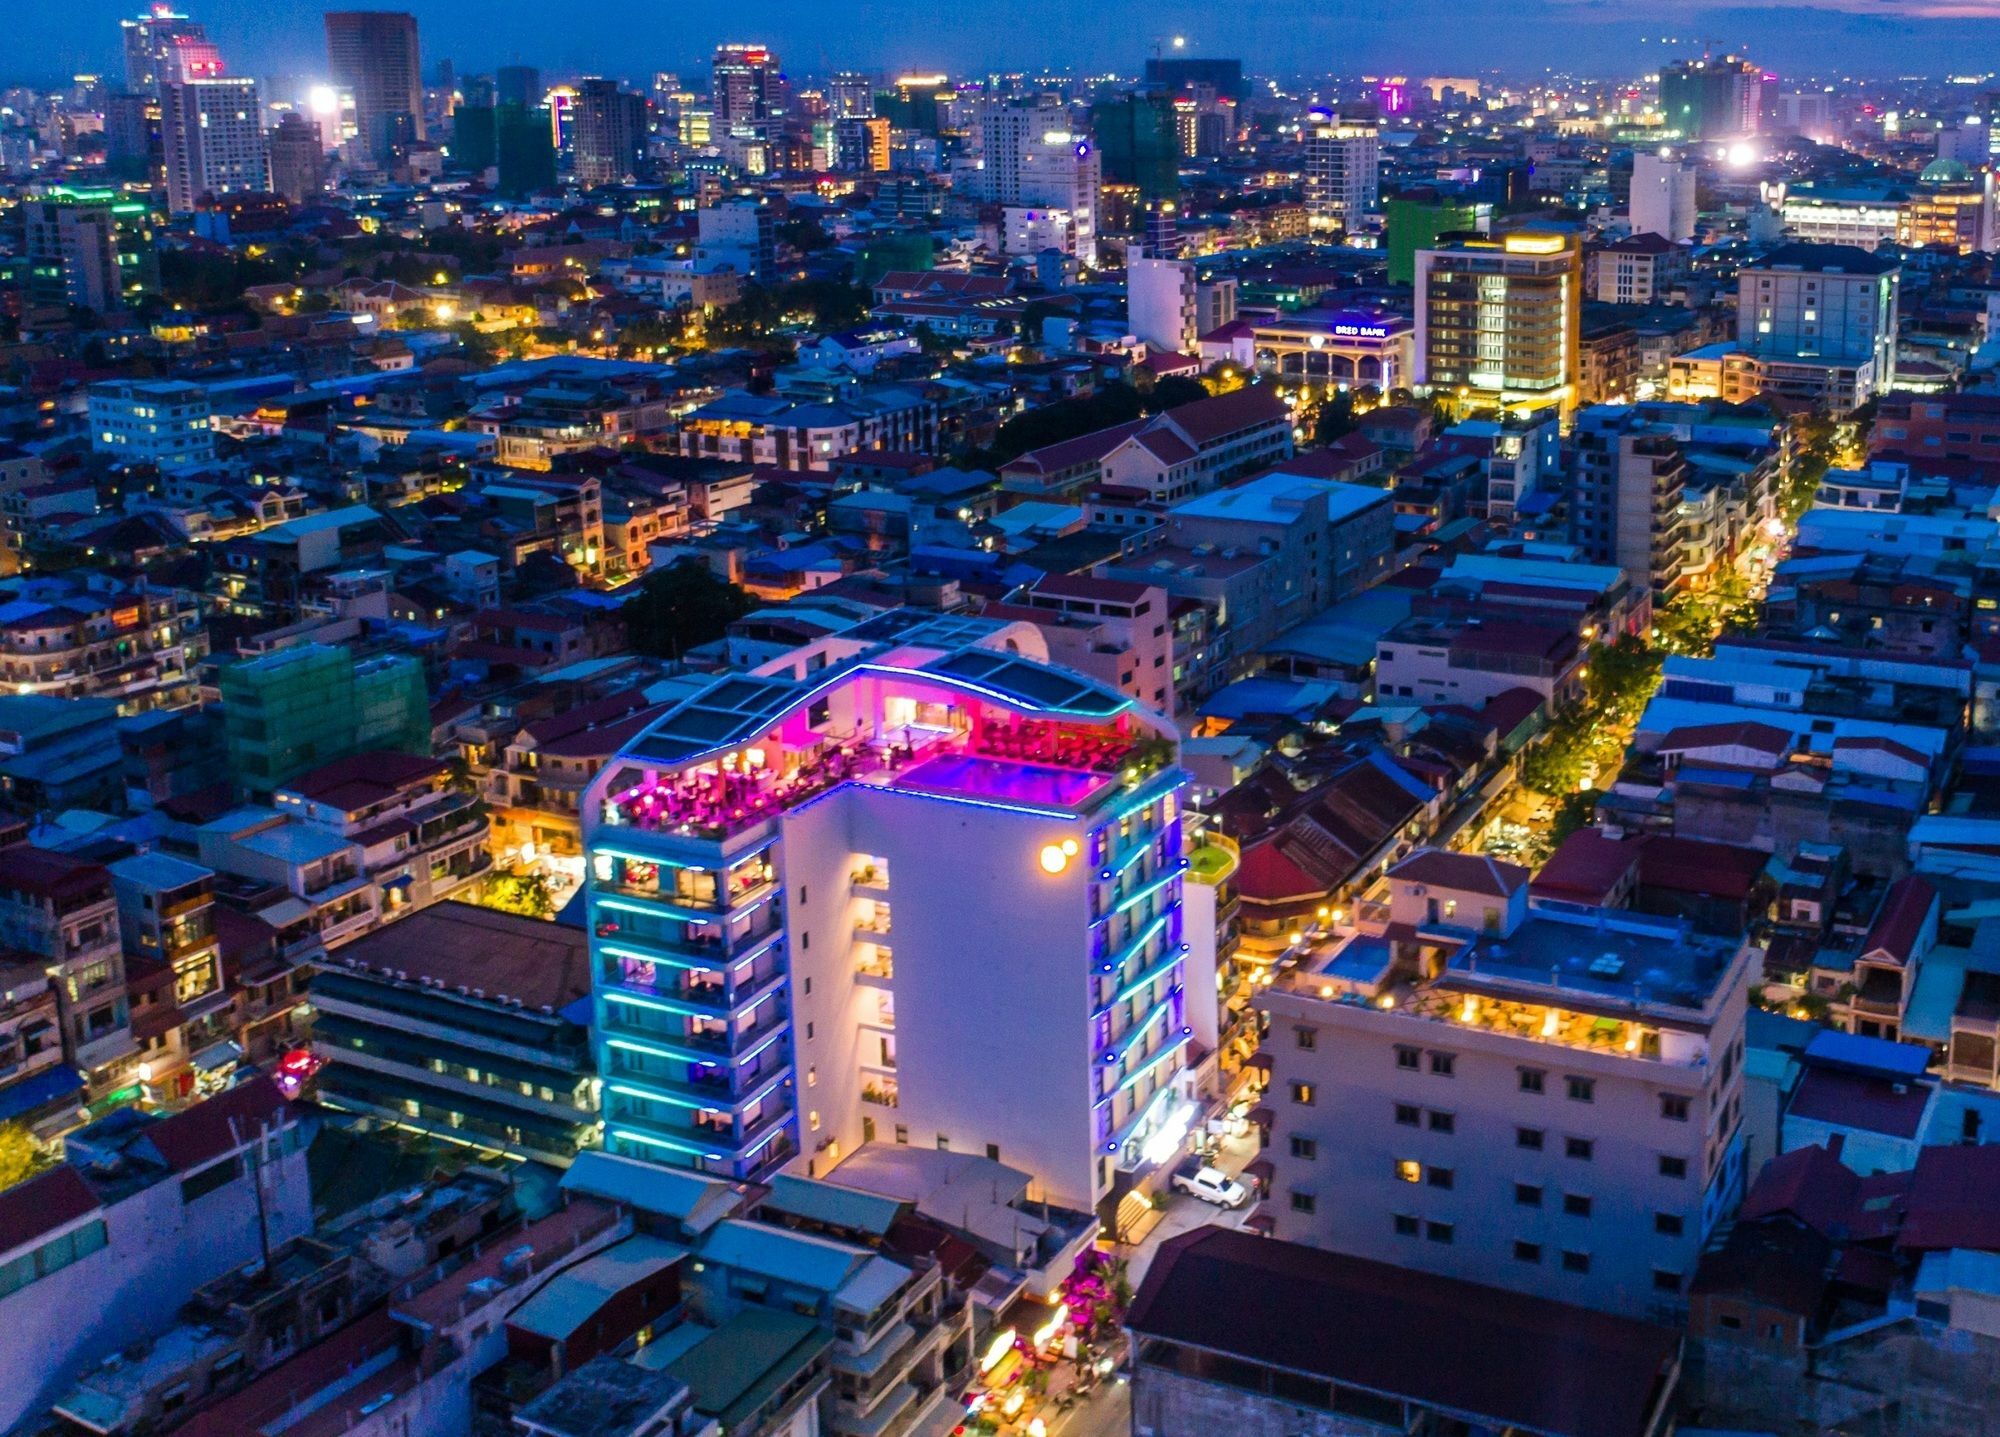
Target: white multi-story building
(1535, 1095)
(162, 422)
(1343, 173)
(1824, 306)
(213, 132)
(1663, 197)
(1160, 303)
(912, 884)
(1061, 174)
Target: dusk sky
(633, 37)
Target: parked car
(1210, 1184)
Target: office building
(1139, 137)
(1627, 479)
(1343, 173)
(162, 422)
(1663, 197)
(517, 85)
(1862, 215)
(1827, 314)
(610, 133)
(823, 892)
(748, 89)
(213, 132)
(289, 711)
(1532, 1095)
(372, 55)
(298, 159)
(91, 249)
(1412, 223)
(850, 95)
(861, 144)
(1060, 176)
(1711, 99)
(149, 41)
(1500, 320)
(524, 152)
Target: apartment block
(1500, 319)
(1534, 1095)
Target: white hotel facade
(908, 885)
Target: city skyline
(1277, 37)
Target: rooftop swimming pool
(1003, 781)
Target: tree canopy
(682, 607)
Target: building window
(1439, 1177)
(944, 1142)
(1408, 1058)
(1527, 1252)
(1304, 1148)
(1579, 1148)
(1441, 1122)
(1409, 1115)
(1529, 1138)
(1438, 1232)
(1441, 1063)
(1301, 1202)
(1668, 1224)
(1306, 1037)
(1576, 1204)
(1531, 1080)
(1302, 1094)
(1409, 1170)
(1673, 1107)
(1673, 1167)
(1664, 1281)
(1406, 1226)
(1527, 1195)
(993, 1152)
(1576, 1261)
(903, 1134)
(1581, 1090)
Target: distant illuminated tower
(148, 41)
(749, 89)
(1393, 94)
(372, 54)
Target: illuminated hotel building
(909, 884)
(1500, 318)
(1343, 173)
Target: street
(1107, 1412)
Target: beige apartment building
(1539, 1096)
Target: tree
(522, 893)
(804, 234)
(1174, 391)
(682, 607)
(1336, 417)
(21, 1157)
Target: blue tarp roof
(31, 1093)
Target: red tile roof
(1694, 865)
(1952, 1200)
(1466, 872)
(1587, 867)
(1860, 1101)
(1900, 921)
(206, 1131)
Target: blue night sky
(633, 37)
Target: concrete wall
(1910, 1379)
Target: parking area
(1184, 1213)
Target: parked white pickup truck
(1209, 1184)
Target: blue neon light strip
(1167, 1050)
(653, 907)
(661, 1048)
(628, 1135)
(665, 1005)
(1152, 975)
(618, 950)
(1142, 894)
(1120, 1046)
(1138, 944)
